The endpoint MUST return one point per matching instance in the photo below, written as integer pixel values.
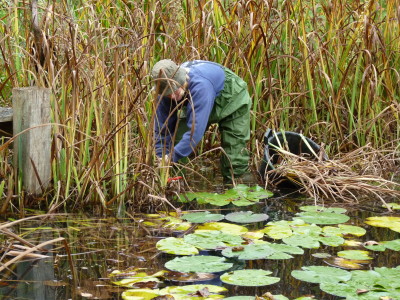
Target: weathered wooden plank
(32, 146)
(6, 114)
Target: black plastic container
(288, 140)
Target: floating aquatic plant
(246, 217)
(223, 227)
(249, 278)
(198, 263)
(262, 251)
(241, 195)
(392, 223)
(318, 274)
(354, 254)
(367, 285)
(177, 246)
(211, 240)
(202, 217)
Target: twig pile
(363, 172)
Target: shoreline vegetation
(326, 69)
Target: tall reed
(329, 69)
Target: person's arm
(164, 126)
(198, 112)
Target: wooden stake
(32, 145)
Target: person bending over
(204, 93)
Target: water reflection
(100, 246)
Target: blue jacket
(206, 81)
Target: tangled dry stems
(360, 173)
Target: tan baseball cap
(168, 76)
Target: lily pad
(211, 240)
(388, 222)
(249, 252)
(177, 246)
(198, 263)
(343, 229)
(262, 251)
(188, 277)
(374, 284)
(131, 278)
(246, 217)
(202, 217)
(278, 232)
(241, 195)
(318, 274)
(241, 298)
(224, 227)
(249, 278)
(325, 218)
(193, 288)
(317, 208)
(303, 241)
(140, 294)
(355, 254)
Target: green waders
(232, 113)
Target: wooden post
(32, 148)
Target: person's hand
(164, 161)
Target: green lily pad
(262, 251)
(317, 208)
(192, 289)
(241, 298)
(387, 222)
(130, 278)
(375, 284)
(140, 294)
(224, 227)
(176, 246)
(303, 241)
(325, 218)
(318, 274)
(249, 252)
(210, 240)
(307, 229)
(278, 232)
(355, 254)
(202, 217)
(246, 217)
(198, 263)
(241, 195)
(249, 278)
(343, 229)
(392, 245)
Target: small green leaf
(249, 278)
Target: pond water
(99, 246)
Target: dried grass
(365, 172)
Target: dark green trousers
(231, 112)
